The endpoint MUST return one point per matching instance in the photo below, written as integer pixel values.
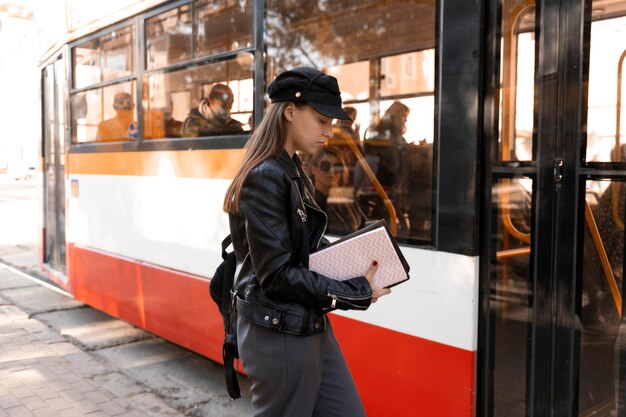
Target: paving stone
(42, 378)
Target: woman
(329, 172)
(284, 337)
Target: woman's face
(307, 130)
(327, 173)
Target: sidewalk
(42, 374)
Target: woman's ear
(288, 112)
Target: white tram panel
(178, 223)
(173, 222)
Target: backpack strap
(229, 348)
(225, 244)
(229, 354)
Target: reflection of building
(19, 81)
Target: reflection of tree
(324, 33)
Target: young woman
(284, 337)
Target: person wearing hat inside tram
(284, 337)
(123, 125)
(212, 115)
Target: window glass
(86, 59)
(106, 58)
(117, 56)
(168, 37)
(222, 25)
(606, 117)
(383, 55)
(200, 101)
(517, 83)
(105, 114)
(511, 292)
(408, 73)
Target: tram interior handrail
(393, 222)
(617, 152)
(604, 259)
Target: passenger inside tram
(121, 127)
(329, 174)
(212, 116)
(400, 168)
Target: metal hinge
(558, 170)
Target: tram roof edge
(93, 25)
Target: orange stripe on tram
(212, 164)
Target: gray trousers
(297, 376)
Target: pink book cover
(351, 257)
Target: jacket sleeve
(265, 203)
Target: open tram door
(552, 334)
(54, 152)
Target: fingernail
(375, 263)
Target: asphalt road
(188, 382)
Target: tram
(487, 134)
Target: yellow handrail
(604, 259)
(393, 226)
(617, 152)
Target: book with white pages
(352, 255)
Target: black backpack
(220, 289)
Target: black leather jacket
(272, 237)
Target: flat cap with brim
(311, 86)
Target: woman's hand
(377, 291)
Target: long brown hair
(267, 141)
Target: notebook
(352, 255)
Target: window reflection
(382, 53)
(108, 57)
(330, 177)
(168, 38)
(117, 53)
(199, 101)
(222, 25)
(86, 61)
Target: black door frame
(558, 201)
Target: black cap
(311, 86)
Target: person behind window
(351, 127)
(213, 115)
(284, 337)
(123, 125)
(385, 140)
(329, 173)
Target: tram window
(606, 75)
(517, 92)
(168, 37)
(106, 58)
(222, 25)
(222, 92)
(354, 79)
(408, 73)
(105, 114)
(86, 59)
(382, 53)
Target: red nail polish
(375, 263)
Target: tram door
(552, 332)
(54, 150)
